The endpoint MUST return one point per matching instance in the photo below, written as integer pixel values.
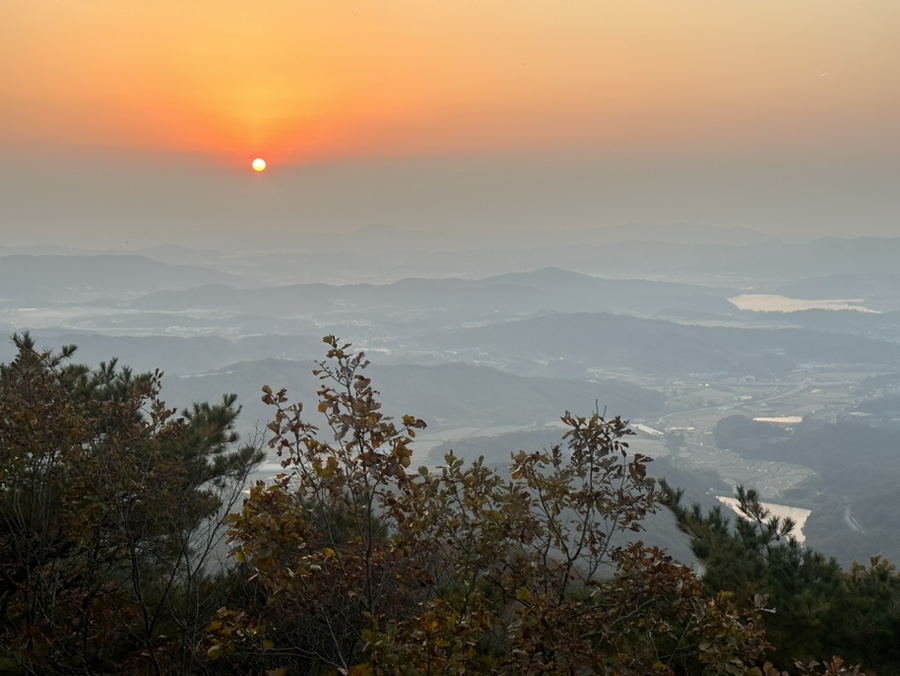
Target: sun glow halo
(259, 164)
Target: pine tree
(109, 512)
(816, 609)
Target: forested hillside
(854, 493)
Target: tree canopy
(353, 561)
(109, 511)
(365, 566)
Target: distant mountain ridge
(693, 253)
(445, 395)
(511, 293)
(37, 276)
(608, 341)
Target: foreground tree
(359, 565)
(816, 608)
(349, 562)
(109, 512)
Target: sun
(259, 164)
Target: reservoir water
(759, 302)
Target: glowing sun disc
(259, 164)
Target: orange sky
(299, 80)
(122, 118)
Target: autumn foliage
(362, 565)
(114, 511)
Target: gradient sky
(122, 117)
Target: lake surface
(798, 514)
(761, 302)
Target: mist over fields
(491, 339)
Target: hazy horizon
(112, 203)
(140, 120)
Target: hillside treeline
(135, 541)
